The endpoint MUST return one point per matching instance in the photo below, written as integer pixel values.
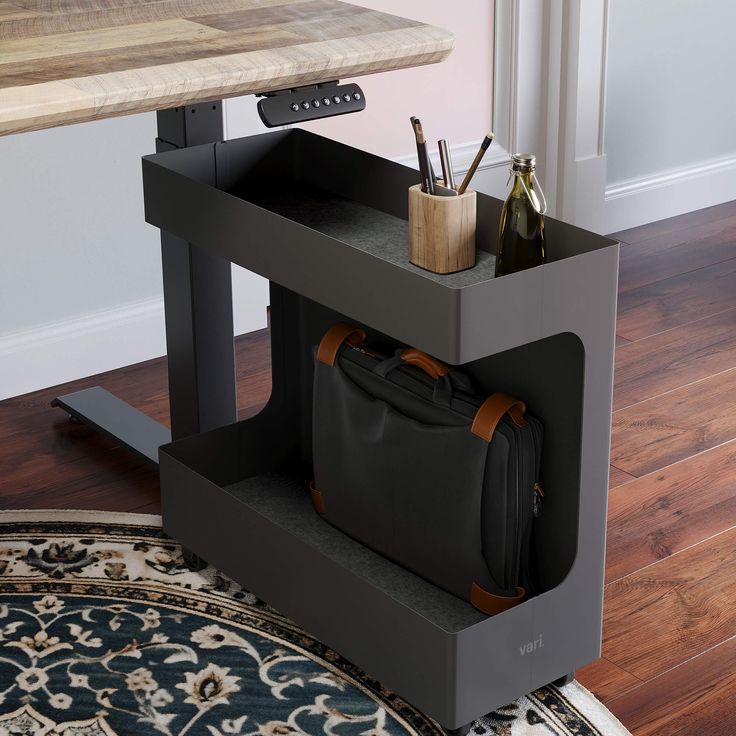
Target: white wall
(80, 270)
(73, 235)
(670, 126)
(80, 273)
(452, 99)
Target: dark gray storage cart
(326, 224)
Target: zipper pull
(538, 496)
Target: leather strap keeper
(491, 604)
(331, 341)
(492, 410)
(318, 500)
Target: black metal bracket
(311, 102)
(190, 125)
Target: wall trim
(75, 348)
(462, 156)
(646, 199)
(108, 339)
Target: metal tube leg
(199, 325)
(197, 301)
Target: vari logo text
(531, 646)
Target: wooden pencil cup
(441, 231)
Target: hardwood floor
(669, 629)
(669, 620)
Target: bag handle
(333, 339)
(491, 412)
(431, 366)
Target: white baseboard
(80, 347)
(639, 201)
(103, 341)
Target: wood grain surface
(671, 254)
(673, 225)
(694, 699)
(617, 477)
(48, 461)
(68, 61)
(606, 679)
(660, 616)
(674, 358)
(441, 231)
(676, 301)
(665, 429)
(658, 515)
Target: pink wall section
(453, 99)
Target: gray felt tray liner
(285, 502)
(364, 228)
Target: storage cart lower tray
(430, 647)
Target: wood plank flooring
(670, 620)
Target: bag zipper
(513, 547)
(537, 490)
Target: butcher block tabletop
(68, 61)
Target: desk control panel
(310, 103)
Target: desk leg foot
(564, 680)
(462, 731)
(193, 561)
(120, 421)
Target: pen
(416, 126)
(476, 161)
(447, 173)
(424, 165)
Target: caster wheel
(564, 680)
(462, 731)
(194, 562)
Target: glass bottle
(521, 234)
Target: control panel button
(311, 102)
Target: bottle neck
(517, 189)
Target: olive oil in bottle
(521, 234)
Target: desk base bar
(199, 326)
(111, 416)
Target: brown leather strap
(431, 366)
(318, 500)
(492, 410)
(491, 604)
(334, 338)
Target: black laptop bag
(412, 463)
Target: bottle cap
(523, 162)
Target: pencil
(476, 162)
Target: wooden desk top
(67, 61)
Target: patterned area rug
(105, 631)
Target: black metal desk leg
(197, 299)
(199, 325)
